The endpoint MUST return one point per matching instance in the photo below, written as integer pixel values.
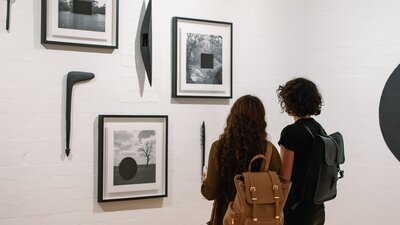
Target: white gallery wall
(40, 186)
(353, 47)
(349, 48)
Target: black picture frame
(202, 58)
(84, 23)
(133, 157)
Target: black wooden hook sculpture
(145, 41)
(72, 78)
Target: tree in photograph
(193, 43)
(215, 45)
(146, 151)
(199, 43)
(96, 8)
(65, 5)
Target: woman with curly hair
(244, 137)
(300, 99)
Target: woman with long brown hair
(244, 137)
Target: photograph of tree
(82, 14)
(134, 157)
(203, 59)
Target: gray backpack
(324, 171)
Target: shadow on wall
(140, 70)
(200, 101)
(78, 48)
(127, 205)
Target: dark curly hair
(244, 137)
(300, 97)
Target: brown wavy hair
(300, 97)
(244, 136)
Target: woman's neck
(300, 117)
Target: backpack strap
(268, 155)
(259, 156)
(275, 188)
(321, 130)
(309, 131)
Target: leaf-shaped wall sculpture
(146, 41)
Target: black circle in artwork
(128, 168)
(389, 113)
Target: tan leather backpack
(260, 196)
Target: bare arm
(287, 162)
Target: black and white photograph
(202, 58)
(91, 23)
(82, 15)
(132, 157)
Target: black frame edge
(44, 31)
(100, 160)
(101, 157)
(175, 55)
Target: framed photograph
(132, 157)
(92, 23)
(202, 58)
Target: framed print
(202, 58)
(132, 157)
(91, 23)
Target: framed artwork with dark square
(202, 58)
(132, 157)
(91, 23)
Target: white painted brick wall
(39, 186)
(353, 47)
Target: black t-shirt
(296, 138)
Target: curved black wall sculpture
(145, 41)
(72, 78)
(389, 113)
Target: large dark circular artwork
(389, 113)
(128, 168)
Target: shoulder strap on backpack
(266, 157)
(321, 130)
(309, 131)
